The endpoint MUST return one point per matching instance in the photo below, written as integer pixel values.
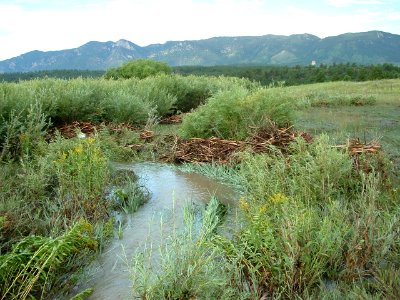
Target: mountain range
(372, 47)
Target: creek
(170, 191)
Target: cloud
(345, 3)
(145, 22)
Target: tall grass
(314, 174)
(28, 270)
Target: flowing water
(170, 190)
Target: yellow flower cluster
(244, 205)
(61, 159)
(78, 149)
(263, 208)
(278, 198)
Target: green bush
(231, 114)
(23, 132)
(140, 68)
(316, 173)
(98, 100)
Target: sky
(45, 25)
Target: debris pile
(146, 135)
(278, 137)
(355, 146)
(175, 119)
(223, 151)
(70, 130)
(206, 150)
(119, 127)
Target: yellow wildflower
(244, 205)
(263, 209)
(78, 149)
(62, 157)
(278, 198)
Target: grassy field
(314, 225)
(378, 120)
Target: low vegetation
(140, 68)
(315, 221)
(265, 75)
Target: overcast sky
(27, 25)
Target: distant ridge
(373, 47)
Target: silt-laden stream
(170, 190)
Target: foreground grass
(56, 207)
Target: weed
(27, 270)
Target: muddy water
(170, 190)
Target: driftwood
(206, 150)
(223, 151)
(175, 119)
(355, 146)
(69, 130)
(146, 135)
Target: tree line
(298, 75)
(62, 74)
(266, 75)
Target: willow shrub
(130, 100)
(231, 114)
(23, 136)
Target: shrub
(22, 133)
(140, 68)
(316, 173)
(230, 114)
(82, 173)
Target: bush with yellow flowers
(82, 173)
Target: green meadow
(312, 223)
